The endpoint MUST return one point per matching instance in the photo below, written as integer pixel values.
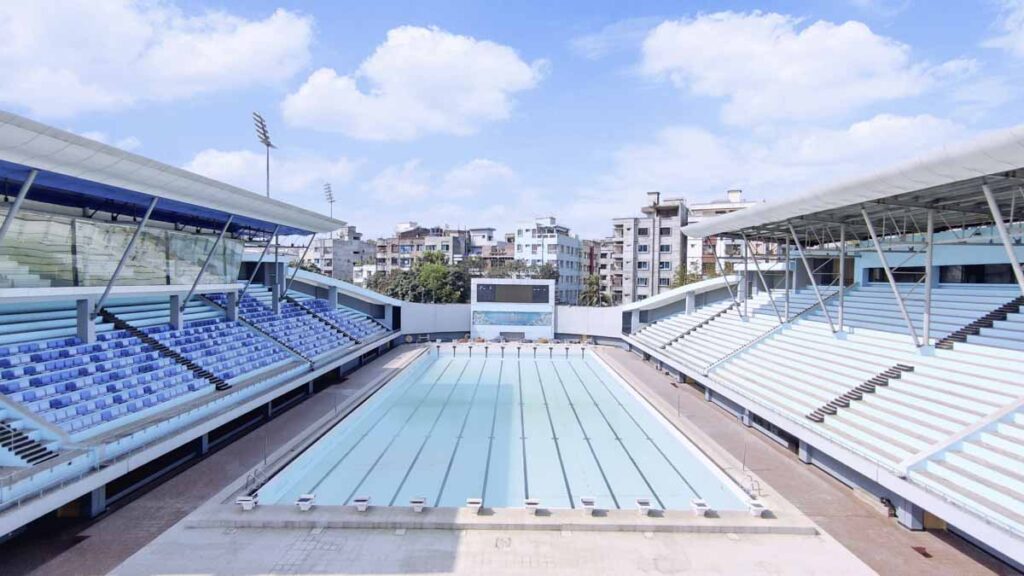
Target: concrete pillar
(910, 516)
(275, 293)
(805, 452)
(204, 444)
(332, 296)
(634, 321)
(176, 311)
(86, 328)
(389, 315)
(309, 388)
(96, 502)
(691, 303)
(746, 417)
(269, 410)
(708, 394)
(232, 306)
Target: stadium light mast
(264, 137)
(329, 195)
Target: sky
(472, 114)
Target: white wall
(589, 320)
(430, 318)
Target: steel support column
(767, 288)
(842, 274)
(259, 261)
(746, 284)
(890, 277)
(721, 270)
(810, 275)
(288, 286)
(1004, 235)
(13, 211)
(786, 279)
(124, 257)
(202, 270)
(929, 278)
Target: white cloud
(297, 179)
(699, 165)
(419, 81)
(1011, 22)
(771, 67)
(479, 176)
(883, 8)
(409, 182)
(401, 184)
(615, 37)
(67, 57)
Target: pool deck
(147, 535)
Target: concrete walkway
(98, 547)
(852, 518)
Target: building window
(642, 231)
(641, 281)
(665, 248)
(664, 265)
(643, 265)
(663, 281)
(643, 248)
(664, 231)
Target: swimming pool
(452, 427)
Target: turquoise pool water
(452, 427)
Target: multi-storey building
(643, 253)
(336, 254)
(701, 252)
(544, 241)
(589, 259)
(411, 241)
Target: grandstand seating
(80, 386)
(35, 321)
(1008, 333)
(983, 473)
(357, 325)
(294, 326)
(660, 333)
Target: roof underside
(948, 182)
(78, 172)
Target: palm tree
(591, 294)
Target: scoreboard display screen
(512, 293)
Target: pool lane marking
(590, 445)
(638, 425)
(394, 404)
(490, 441)
(399, 432)
(437, 418)
(554, 436)
(617, 437)
(462, 429)
(522, 427)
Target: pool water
(452, 427)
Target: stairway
(16, 275)
(986, 321)
(31, 451)
(857, 393)
(218, 382)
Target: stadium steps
(987, 321)
(16, 275)
(30, 450)
(218, 383)
(279, 341)
(857, 393)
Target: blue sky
(473, 114)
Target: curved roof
(77, 171)
(948, 179)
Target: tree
(309, 266)
(682, 277)
(591, 294)
(545, 271)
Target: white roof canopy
(948, 181)
(29, 144)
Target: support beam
(786, 278)
(721, 270)
(810, 275)
(259, 261)
(275, 297)
(929, 278)
(231, 310)
(332, 297)
(691, 303)
(124, 256)
(176, 311)
(763, 282)
(16, 207)
(890, 277)
(297, 264)
(1004, 235)
(842, 274)
(206, 262)
(86, 327)
(746, 283)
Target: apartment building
(641, 256)
(544, 241)
(338, 253)
(701, 252)
(411, 241)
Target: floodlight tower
(329, 195)
(264, 137)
